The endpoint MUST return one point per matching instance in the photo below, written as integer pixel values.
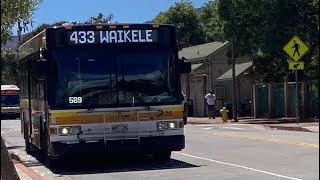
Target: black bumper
(146, 145)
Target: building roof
(195, 66)
(200, 52)
(240, 68)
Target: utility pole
(234, 97)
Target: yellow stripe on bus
(63, 118)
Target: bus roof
(112, 25)
(39, 40)
(9, 87)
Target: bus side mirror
(42, 64)
(184, 66)
(41, 69)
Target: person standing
(210, 98)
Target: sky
(124, 11)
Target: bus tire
(50, 163)
(29, 146)
(162, 156)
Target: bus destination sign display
(112, 37)
(9, 92)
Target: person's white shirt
(211, 98)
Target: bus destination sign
(9, 92)
(112, 37)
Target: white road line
(203, 125)
(208, 128)
(2, 132)
(231, 128)
(239, 166)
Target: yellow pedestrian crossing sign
(296, 48)
(296, 65)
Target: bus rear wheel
(162, 156)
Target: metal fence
(312, 95)
(261, 100)
(278, 100)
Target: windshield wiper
(141, 100)
(94, 102)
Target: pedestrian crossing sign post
(296, 48)
(296, 65)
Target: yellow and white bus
(10, 101)
(105, 87)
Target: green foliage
(266, 26)
(8, 67)
(212, 26)
(14, 11)
(184, 16)
(100, 18)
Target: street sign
(296, 48)
(296, 65)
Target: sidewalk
(307, 125)
(24, 172)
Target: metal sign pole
(297, 97)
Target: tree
(212, 26)
(100, 18)
(184, 16)
(8, 67)
(14, 11)
(265, 26)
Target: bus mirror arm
(41, 69)
(184, 66)
(43, 53)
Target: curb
(18, 163)
(29, 172)
(287, 128)
(275, 127)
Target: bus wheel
(50, 163)
(29, 147)
(163, 156)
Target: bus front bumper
(10, 112)
(146, 145)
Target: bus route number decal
(75, 100)
(165, 113)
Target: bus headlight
(68, 130)
(167, 125)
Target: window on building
(220, 92)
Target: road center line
(231, 128)
(266, 140)
(239, 166)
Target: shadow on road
(114, 163)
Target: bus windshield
(113, 77)
(9, 100)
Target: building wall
(203, 79)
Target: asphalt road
(221, 151)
